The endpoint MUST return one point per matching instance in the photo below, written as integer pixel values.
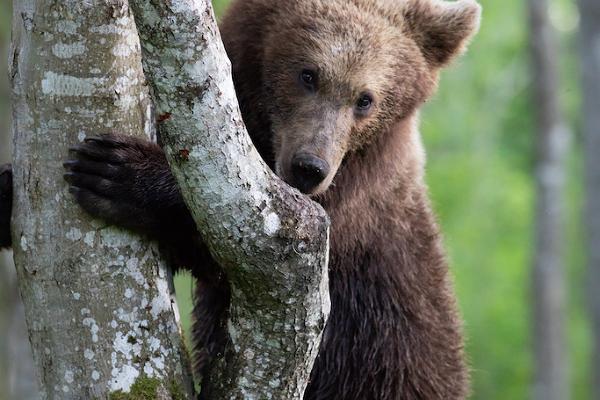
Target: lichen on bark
(146, 388)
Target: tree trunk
(16, 372)
(101, 317)
(590, 62)
(552, 143)
(271, 240)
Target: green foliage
(220, 6)
(184, 289)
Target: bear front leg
(5, 205)
(127, 182)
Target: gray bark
(16, 370)
(271, 240)
(98, 304)
(590, 62)
(552, 144)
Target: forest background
(479, 132)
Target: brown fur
(391, 49)
(394, 331)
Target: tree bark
(100, 313)
(17, 371)
(590, 63)
(271, 240)
(552, 144)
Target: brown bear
(330, 92)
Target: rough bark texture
(16, 370)
(99, 308)
(590, 62)
(271, 240)
(552, 143)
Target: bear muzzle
(308, 172)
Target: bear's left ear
(442, 29)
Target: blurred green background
(479, 136)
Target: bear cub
(330, 92)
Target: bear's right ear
(442, 29)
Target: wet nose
(308, 171)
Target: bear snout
(308, 172)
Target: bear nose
(308, 171)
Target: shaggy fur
(394, 332)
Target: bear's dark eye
(308, 79)
(364, 103)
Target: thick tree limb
(271, 240)
(97, 299)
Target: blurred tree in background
(548, 278)
(480, 140)
(480, 137)
(590, 69)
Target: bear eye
(308, 79)
(364, 102)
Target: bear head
(337, 73)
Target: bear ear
(442, 29)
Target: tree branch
(271, 240)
